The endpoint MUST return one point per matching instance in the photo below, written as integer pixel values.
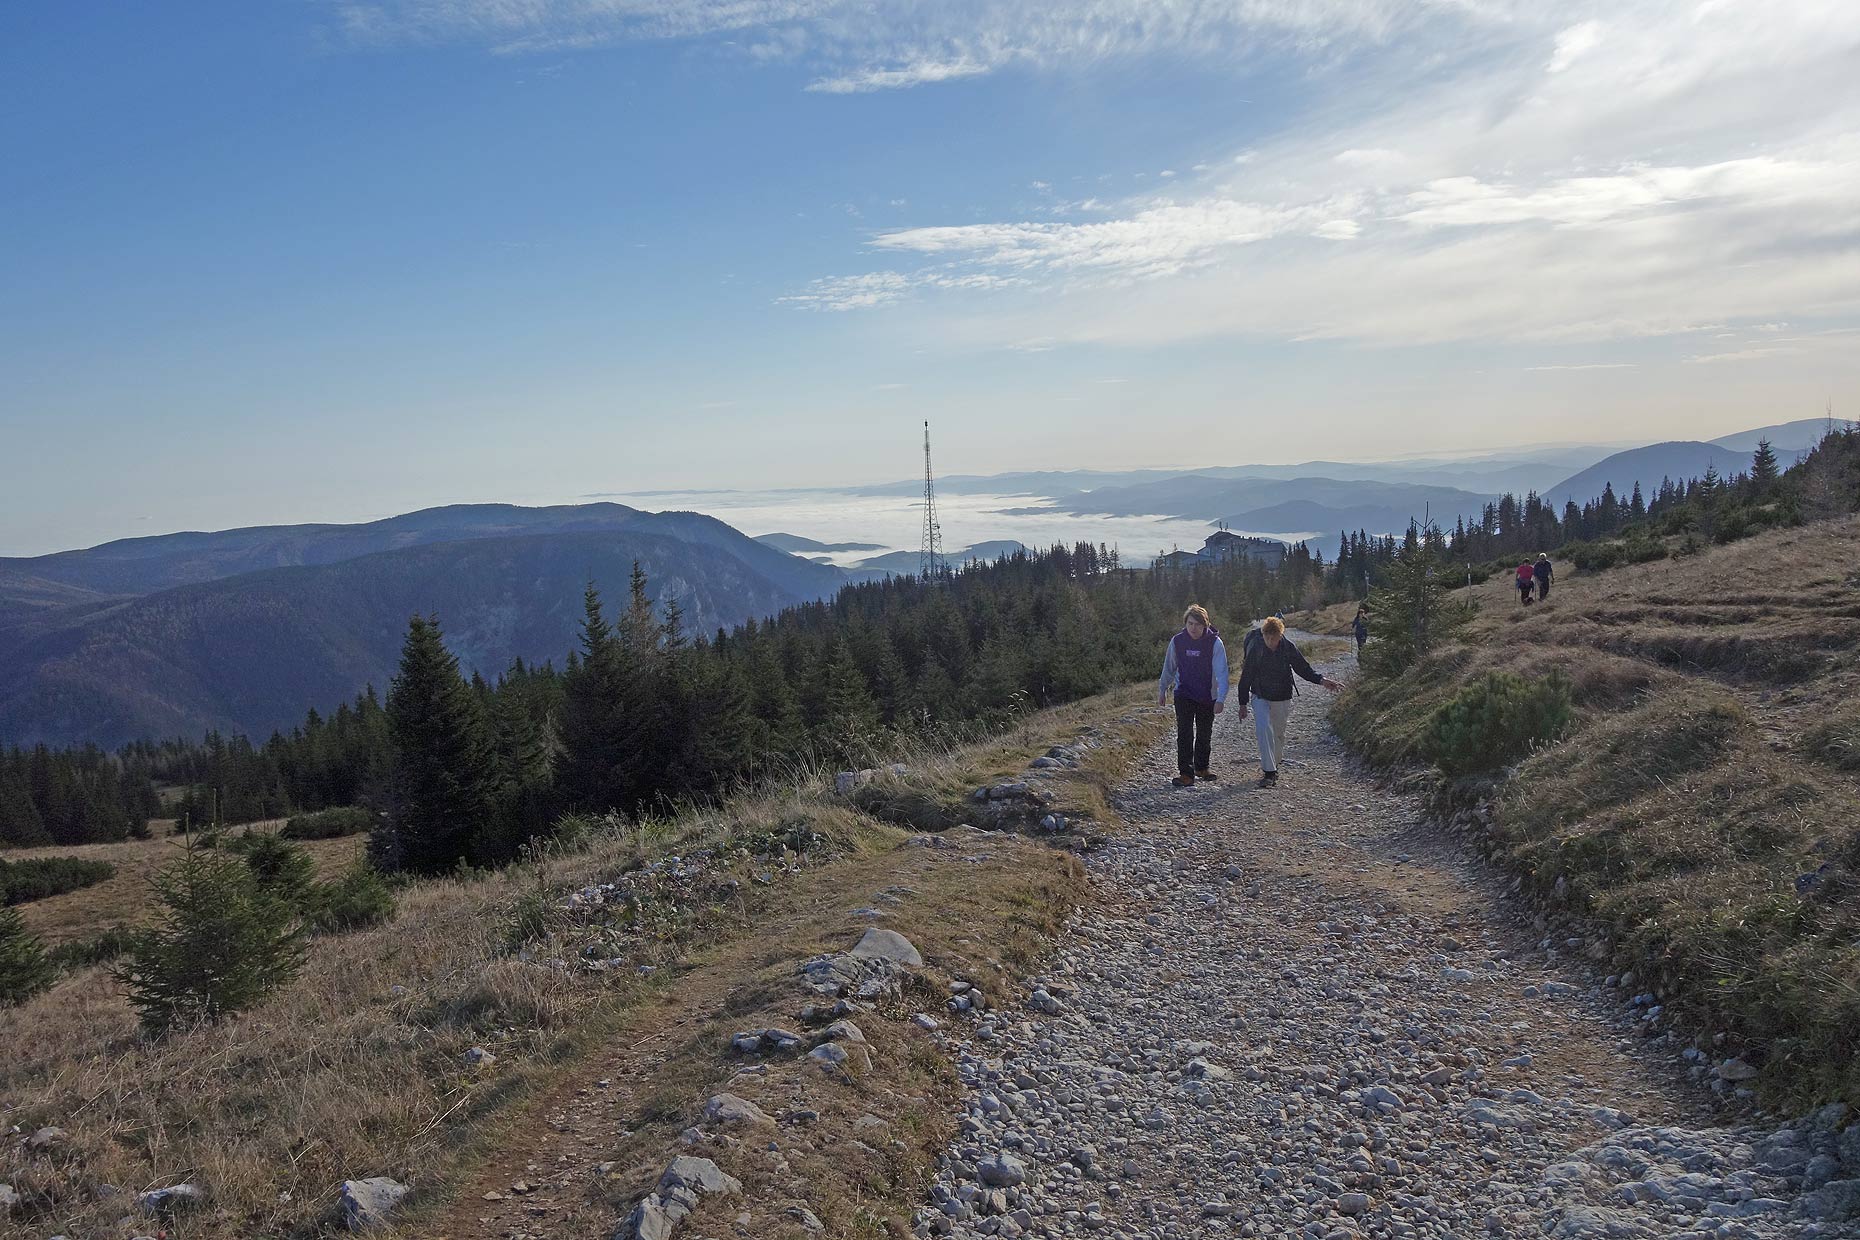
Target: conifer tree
(220, 945)
(24, 970)
(595, 729)
(1763, 470)
(20, 823)
(726, 737)
(523, 767)
(848, 719)
(1412, 615)
(442, 758)
(772, 702)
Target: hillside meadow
(1703, 808)
(360, 1067)
(122, 900)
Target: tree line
(71, 796)
(643, 716)
(1709, 508)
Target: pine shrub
(220, 945)
(1496, 720)
(100, 948)
(41, 877)
(359, 899)
(24, 969)
(1414, 614)
(280, 868)
(328, 824)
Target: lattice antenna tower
(930, 563)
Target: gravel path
(1303, 1012)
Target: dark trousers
(1194, 734)
(1543, 587)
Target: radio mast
(930, 564)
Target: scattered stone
(687, 1180)
(480, 1059)
(1387, 1038)
(48, 1138)
(808, 1220)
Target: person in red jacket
(1527, 577)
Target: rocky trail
(1304, 1012)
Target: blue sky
(321, 260)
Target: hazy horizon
(830, 529)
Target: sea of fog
(896, 522)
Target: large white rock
(169, 1200)
(732, 1109)
(700, 1175)
(878, 944)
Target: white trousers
(1269, 723)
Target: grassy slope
(122, 900)
(1712, 765)
(355, 1069)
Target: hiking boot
(1206, 775)
(1183, 781)
(1268, 780)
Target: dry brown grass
(123, 899)
(1705, 775)
(355, 1068)
(1333, 619)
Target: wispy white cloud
(1572, 42)
(860, 46)
(1587, 366)
(923, 72)
(882, 288)
(1590, 172)
(1747, 355)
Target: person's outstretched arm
(1303, 667)
(1220, 676)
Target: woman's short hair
(1197, 613)
(1273, 627)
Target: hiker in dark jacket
(1359, 628)
(1541, 571)
(1195, 667)
(1266, 669)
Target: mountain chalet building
(1226, 545)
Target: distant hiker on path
(1195, 667)
(1359, 628)
(1527, 577)
(1541, 571)
(1266, 668)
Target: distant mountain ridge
(795, 544)
(250, 652)
(1683, 459)
(131, 566)
(911, 561)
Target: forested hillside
(247, 654)
(635, 708)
